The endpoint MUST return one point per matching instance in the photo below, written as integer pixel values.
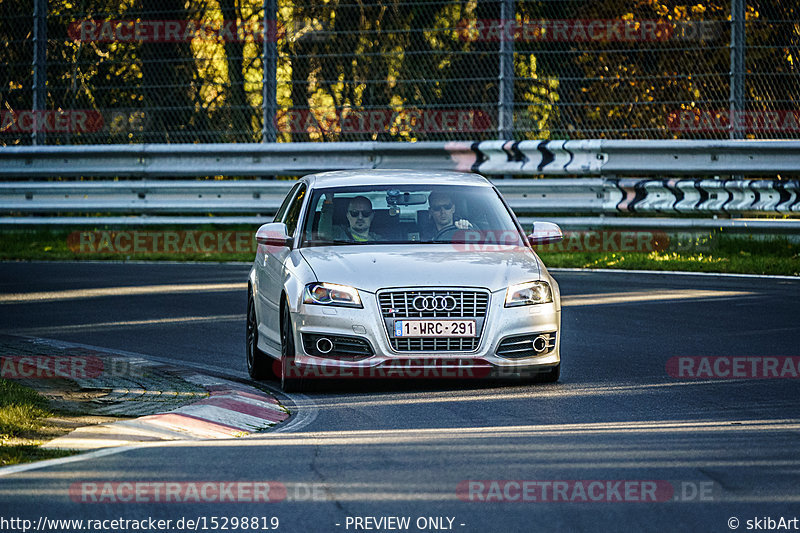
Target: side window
(293, 213)
(285, 205)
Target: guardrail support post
(506, 87)
(39, 68)
(269, 61)
(737, 108)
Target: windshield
(397, 214)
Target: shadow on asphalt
(355, 386)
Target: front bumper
(368, 324)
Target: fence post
(506, 96)
(737, 108)
(39, 68)
(269, 60)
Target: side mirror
(545, 233)
(274, 234)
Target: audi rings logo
(434, 303)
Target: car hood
(376, 266)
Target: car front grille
(399, 304)
(521, 346)
(447, 344)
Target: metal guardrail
(625, 157)
(230, 202)
(687, 225)
(143, 197)
(225, 198)
(590, 157)
(197, 160)
(250, 196)
(170, 201)
(526, 196)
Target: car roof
(344, 178)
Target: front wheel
(259, 364)
(291, 380)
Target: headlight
(331, 294)
(533, 292)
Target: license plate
(434, 328)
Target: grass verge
(717, 252)
(23, 425)
(104, 245)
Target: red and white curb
(230, 410)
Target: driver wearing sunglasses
(442, 210)
(359, 217)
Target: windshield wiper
(328, 241)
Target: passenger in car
(359, 217)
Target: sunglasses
(439, 207)
(366, 213)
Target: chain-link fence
(134, 71)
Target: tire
(259, 364)
(290, 380)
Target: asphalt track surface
(725, 447)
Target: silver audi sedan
(400, 274)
